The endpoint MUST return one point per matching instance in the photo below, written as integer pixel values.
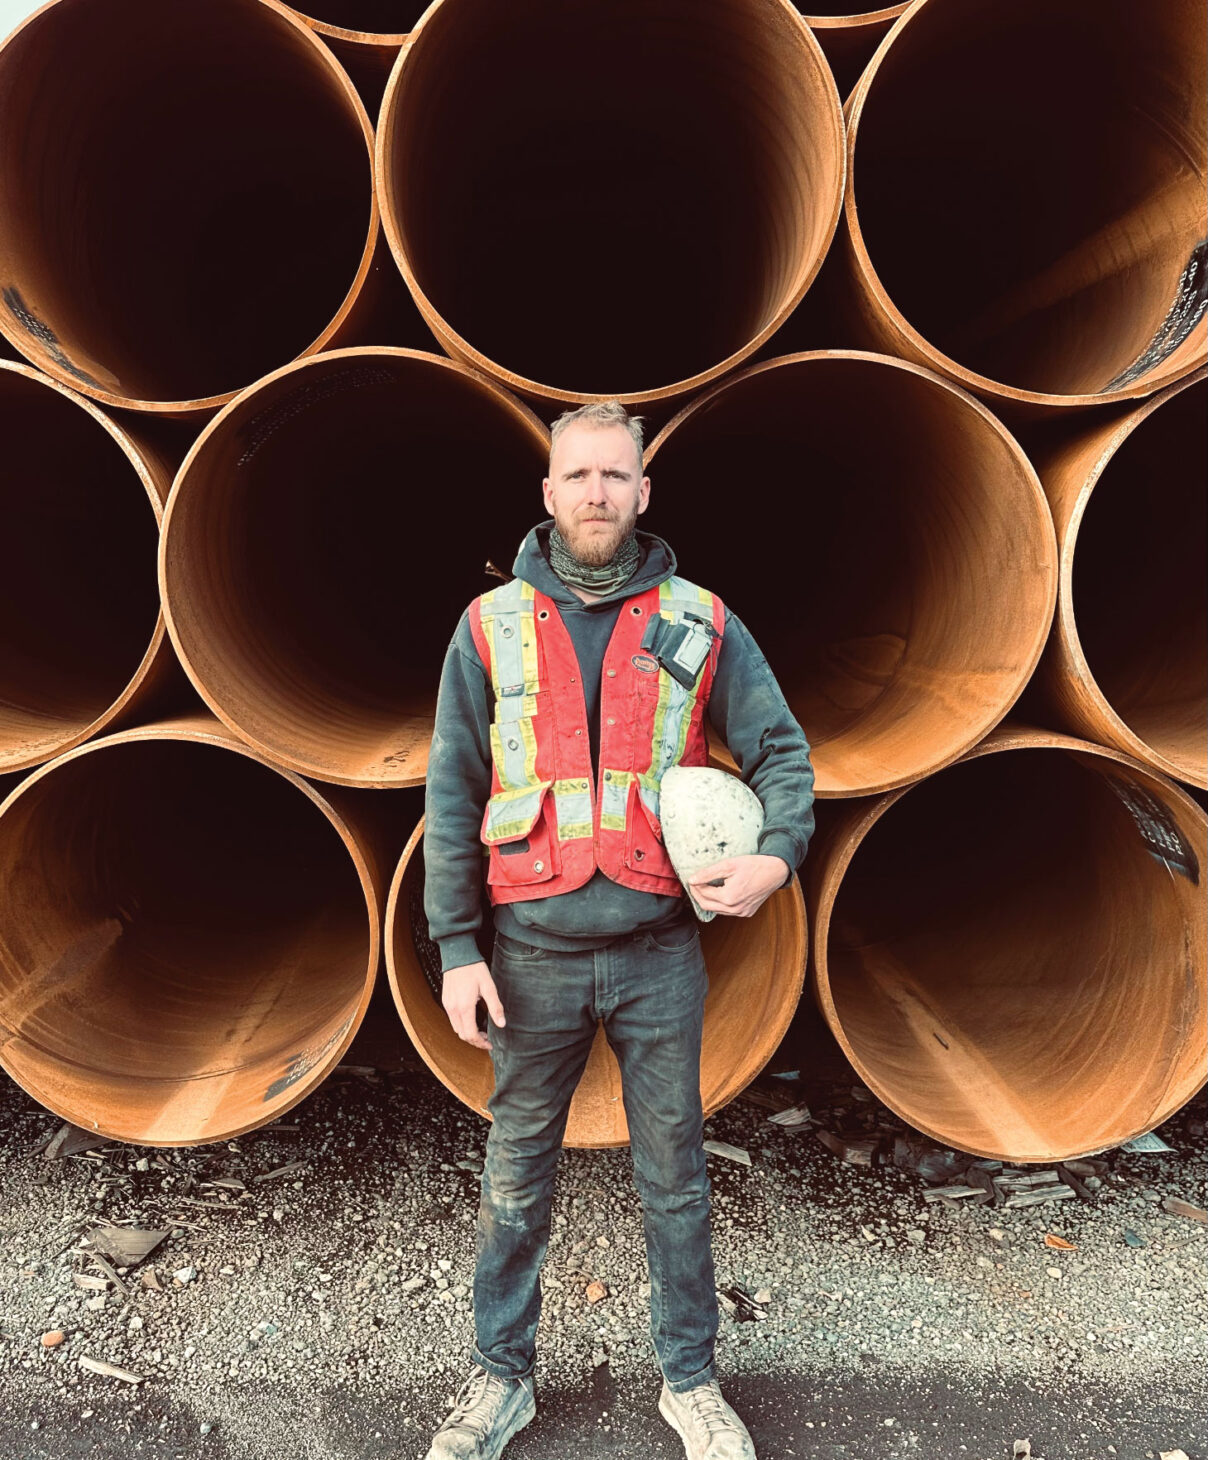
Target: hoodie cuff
(458, 951)
(780, 844)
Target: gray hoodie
(746, 709)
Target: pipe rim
(1039, 503)
(156, 491)
(283, 760)
(202, 404)
(461, 349)
(1007, 738)
(728, 1091)
(1114, 728)
(372, 39)
(196, 730)
(857, 18)
(871, 280)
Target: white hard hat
(707, 815)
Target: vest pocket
(521, 816)
(644, 837)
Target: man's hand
(460, 992)
(747, 883)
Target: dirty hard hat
(707, 815)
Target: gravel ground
(326, 1311)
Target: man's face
(595, 490)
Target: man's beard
(593, 546)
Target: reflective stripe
(677, 596)
(506, 616)
(614, 793)
(573, 802)
(514, 750)
(513, 813)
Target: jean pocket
(674, 940)
(518, 952)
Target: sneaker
(485, 1415)
(707, 1425)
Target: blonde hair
(599, 413)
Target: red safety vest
(549, 823)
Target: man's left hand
(747, 883)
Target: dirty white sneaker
(707, 1425)
(485, 1415)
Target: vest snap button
(611, 721)
(513, 745)
(636, 610)
(578, 732)
(638, 854)
(538, 866)
(506, 631)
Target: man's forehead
(585, 445)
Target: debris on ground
(1177, 1207)
(1051, 1239)
(856, 1152)
(596, 1290)
(127, 1246)
(73, 1140)
(110, 1371)
(1149, 1144)
(793, 1118)
(731, 1153)
(741, 1305)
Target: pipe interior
(181, 930)
(371, 17)
(153, 244)
(1012, 967)
(78, 597)
(325, 542)
(548, 253)
(1140, 595)
(755, 970)
(900, 584)
(1039, 235)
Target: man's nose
(595, 487)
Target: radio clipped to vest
(680, 648)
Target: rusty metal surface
(230, 239)
(497, 228)
(1043, 246)
(907, 567)
(1012, 952)
(305, 556)
(1127, 662)
(756, 971)
(189, 935)
(83, 637)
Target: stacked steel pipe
(282, 277)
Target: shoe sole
(525, 1416)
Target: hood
(657, 563)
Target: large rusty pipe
(512, 148)
(1012, 952)
(756, 971)
(305, 564)
(83, 638)
(1042, 244)
(1127, 662)
(186, 196)
(848, 38)
(188, 935)
(905, 573)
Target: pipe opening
(1139, 592)
(1050, 237)
(756, 968)
(904, 582)
(369, 17)
(308, 577)
(157, 247)
(1012, 967)
(544, 251)
(78, 597)
(184, 940)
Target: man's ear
(644, 494)
(547, 493)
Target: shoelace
(709, 1408)
(476, 1394)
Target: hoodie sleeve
(457, 791)
(748, 711)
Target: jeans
(649, 990)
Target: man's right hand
(460, 992)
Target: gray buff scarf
(606, 578)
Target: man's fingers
(490, 995)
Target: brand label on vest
(647, 663)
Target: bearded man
(566, 694)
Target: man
(565, 696)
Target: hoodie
(746, 710)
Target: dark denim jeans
(649, 989)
